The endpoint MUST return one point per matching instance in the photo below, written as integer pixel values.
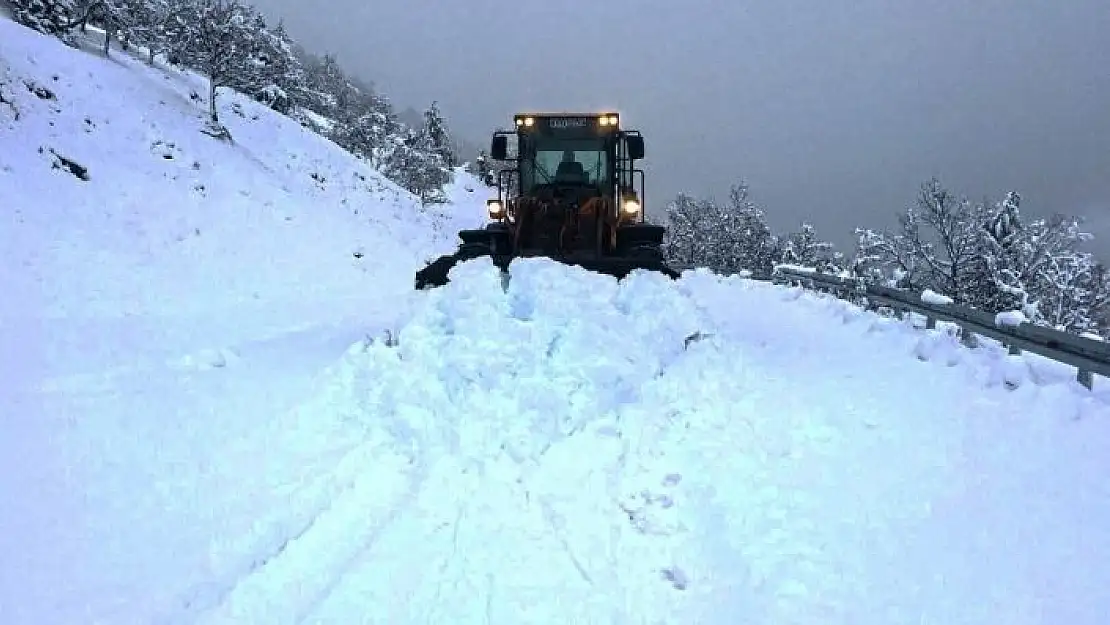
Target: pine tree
(412, 164)
(50, 17)
(366, 133)
(328, 89)
(437, 136)
(686, 221)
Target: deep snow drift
(198, 431)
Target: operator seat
(570, 170)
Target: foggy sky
(833, 111)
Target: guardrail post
(1086, 378)
(967, 338)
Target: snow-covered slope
(199, 431)
(131, 285)
(159, 211)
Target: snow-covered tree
(726, 238)
(482, 169)
(804, 248)
(884, 258)
(437, 136)
(686, 219)
(147, 23)
(411, 163)
(82, 11)
(50, 17)
(746, 241)
(229, 42)
(1040, 269)
(984, 255)
(937, 246)
(215, 37)
(367, 132)
(271, 74)
(365, 123)
(328, 90)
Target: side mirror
(499, 150)
(635, 147)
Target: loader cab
(569, 155)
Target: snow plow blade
(435, 274)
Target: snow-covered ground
(155, 317)
(217, 428)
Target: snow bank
(1010, 318)
(793, 267)
(930, 296)
(931, 472)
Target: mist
(832, 112)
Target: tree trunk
(212, 100)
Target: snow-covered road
(561, 453)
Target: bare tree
(214, 37)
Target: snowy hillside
(222, 403)
(105, 161)
(139, 253)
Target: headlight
(631, 207)
(496, 210)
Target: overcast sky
(834, 111)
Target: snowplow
(568, 192)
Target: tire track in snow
(487, 541)
(308, 547)
(337, 574)
(290, 585)
(232, 560)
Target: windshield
(582, 162)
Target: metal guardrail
(1088, 356)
